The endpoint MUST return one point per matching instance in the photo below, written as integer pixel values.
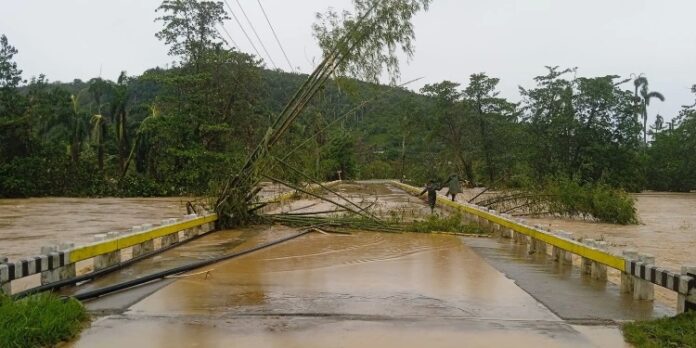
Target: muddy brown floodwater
(666, 229)
(358, 290)
(28, 224)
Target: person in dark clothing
(431, 188)
(453, 186)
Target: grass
(679, 331)
(453, 223)
(39, 321)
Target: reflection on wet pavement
(364, 289)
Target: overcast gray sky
(509, 39)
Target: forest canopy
(179, 130)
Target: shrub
(39, 321)
(602, 202)
(679, 331)
(452, 223)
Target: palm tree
(119, 114)
(646, 96)
(77, 130)
(154, 113)
(97, 136)
(658, 125)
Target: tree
(97, 137)
(119, 114)
(189, 27)
(15, 128)
(583, 129)
(10, 74)
(453, 124)
(672, 166)
(377, 30)
(641, 83)
(491, 114)
(78, 131)
(97, 89)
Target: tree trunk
(100, 157)
(468, 168)
(403, 158)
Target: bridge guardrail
(58, 262)
(638, 272)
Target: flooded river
(667, 229)
(28, 224)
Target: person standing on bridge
(431, 188)
(453, 186)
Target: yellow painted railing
(100, 248)
(572, 246)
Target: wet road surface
(365, 289)
(562, 288)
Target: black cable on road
(104, 271)
(178, 270)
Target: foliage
(672, 166)
(39, 321)
(451, 223)
(377, 29)
(189, 27)
(182, 129)
(679, 331)
(596, 200)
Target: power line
(222, 25)
(276, 36)
(257, 35)
(241, 27)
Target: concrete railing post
(106, 260)
(540, 245)
(482, 224)
(67, 271)
(169, 240)
(585, 263)
(643, 289)
(5, 286)
(143, 248)
(599, 271)
(531, 244)
(568, 256)
(627, 279)
(560, 255)
(686, 300)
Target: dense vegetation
(39, 321)
(679, 331)
(180, 130)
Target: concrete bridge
(456, 305)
